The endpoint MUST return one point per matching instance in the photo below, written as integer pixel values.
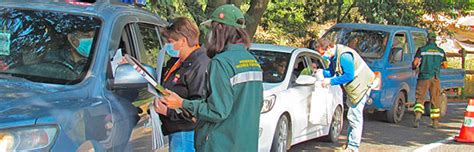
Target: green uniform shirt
(431, 58)
(228, 119)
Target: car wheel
(281, 137)
(336, 126)
(395, 114)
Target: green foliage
(294, 20)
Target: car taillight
(377, 84)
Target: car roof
(377, 27)
(102, 8)
(272, 47)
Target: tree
(200, 10)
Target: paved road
(378, 135)
(382, 136)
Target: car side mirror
(305, 80)
(126, 77)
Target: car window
(46, 46)
(368, 43)
(300, 67)
(316, 63)
(151, 43)
(419, 38)
(274, 64)
(399, 47)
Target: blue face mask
(84, 48)
(170, 50)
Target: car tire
(335, 126)
(281, 138)
(395, 114)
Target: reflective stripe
(432, 53)
(434, 110)
(246, 77)
(359, 69)
(419, 105)
(434, 115)
(468, 122)
(470, 108)
(419, 110)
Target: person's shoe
(416, 123)
(435, 123)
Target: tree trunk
(213, 4)
(237, 3)
(254, 15)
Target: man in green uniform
(228, 119)
(429, 59)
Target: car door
(399, 69)
(321, 101)
(124, 114)
(298, 96)
(418, 39)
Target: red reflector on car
(75, 2)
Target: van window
(419, 38)
(368, 43)
(399, 47)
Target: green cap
(227, 14)
(432, 35)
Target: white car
(289, 91)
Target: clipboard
(148, 77)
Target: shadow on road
(384, 136)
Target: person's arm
(329, 72)
(347, 63)
(417, 60)
(218, 105)
(444, 64)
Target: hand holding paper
(326, 82)
(172, 100)
(159, 106)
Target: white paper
(116, 60)
(157, 135)
(318, 106)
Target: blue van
(390, 50)
(60, 87)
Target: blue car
(390, 50)
(61, 87)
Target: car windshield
(274, 65)
(45, 46)
(369, 44)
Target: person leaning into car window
(79, 46)
(186, 77)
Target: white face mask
(328, 54)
